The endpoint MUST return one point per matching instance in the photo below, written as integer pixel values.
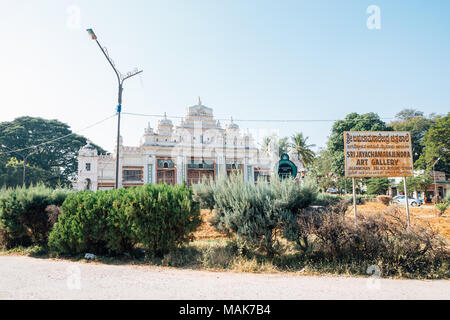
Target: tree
(283, 145)
(55, 163)
(436, 146)
(413, 121)
(417, 183)
(266, 144)
(321, 171)
(272, 141)
(303, 150)
(346, 184)
(377, 186)
(407, 114)
(352, 122)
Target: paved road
(32, 278)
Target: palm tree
(299, 145)
(282, 144)
(266, 144)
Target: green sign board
(286, 168)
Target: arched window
(87, 184)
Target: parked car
(332, 190)
(411, 201)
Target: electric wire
(254, 120)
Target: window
(88, 167)
(87, 184)
(132, 175)
(165, 163)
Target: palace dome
(165, 121)
(232, 125)
(200, 110)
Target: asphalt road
(32, 278)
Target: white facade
(196, 148)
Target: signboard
(286, 168)
(378, 154)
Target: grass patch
(38, 251)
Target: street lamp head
(92, 34)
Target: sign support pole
(406, 204)
(354, 196)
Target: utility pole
(120, 79)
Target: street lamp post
(24, 160)
(120, 79)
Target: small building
(440, 185)
(199, 147)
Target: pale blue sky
(246, 59)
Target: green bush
(326, 199)
(257, 213)
(442, 206)
(204, 194)
(164, 216)
(24, 215)
(82, 224)
(160, 217)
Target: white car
(411, 201)
(332, 190)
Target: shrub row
(160, 217)
(27, 214)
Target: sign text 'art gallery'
(378, 154)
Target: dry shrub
(384, 200)
(381, 239)
(53, 212)
(301, 231)
(342, 206)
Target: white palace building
(198, 147)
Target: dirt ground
(206, 230)
(425, 214)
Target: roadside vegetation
(243, 227)
(277, 227)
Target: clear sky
(250, 59)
